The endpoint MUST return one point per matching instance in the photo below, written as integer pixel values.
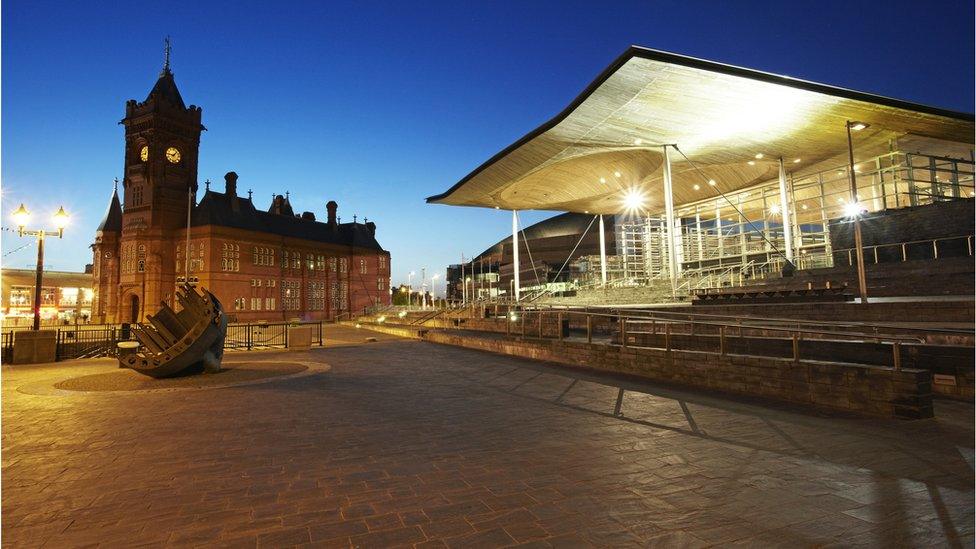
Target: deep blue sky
(378, 105)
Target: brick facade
(261, 264)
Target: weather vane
(166, 49)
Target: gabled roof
(166, 89)
(611, 137)
(239, 213)
(112, 221)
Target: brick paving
(415, 444)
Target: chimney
(331, 208)
(230, 179)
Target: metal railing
(97, 340)
(905, 251)
(722, 334)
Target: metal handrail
(760, 322)
(904, 247)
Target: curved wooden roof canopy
(719, 115)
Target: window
(343, 296)
(381, 262)
(47, 296)
(229, 257)
(362, 266)
(269, 304)
(255, 303)
(69, 297)
(320, 263)
(136, 198)
(332, 264)
(263, 256)
(21, 296)
(141, 266)
(379, 283)
(343, 265)
(334, 292)
(291, 295)
(239, 304)
(316, 296)
(309, 262)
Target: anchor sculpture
(171, 343)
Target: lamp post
(410, 289)
(855, 211)
(22, 217)
(433, 289)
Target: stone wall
(865, 390)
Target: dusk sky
(379, 105)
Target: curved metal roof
(609, 138)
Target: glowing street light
(21, 218)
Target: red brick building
(262, 264)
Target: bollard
(896, 355)
(691, 327)
(796, 347)
(721, 340)
(654, 327)
(589, 328)
(667, 337)
(623, 331)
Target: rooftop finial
(249, 191)
(166, 50)
(207, 183)
(116, 184)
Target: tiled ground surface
(410, 443)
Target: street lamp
(410, 288)
(433, 288)
(21, 218)
(855, 208)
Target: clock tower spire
(162, 141)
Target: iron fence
(6, 346)
(101, 340)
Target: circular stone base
(125, 379)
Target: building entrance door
(134, 309)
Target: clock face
(173, 155)
(144, 153)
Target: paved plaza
(399, 442)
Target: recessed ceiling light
(752, 162)
(759, 156)
(638, 141)
(711, 182)
(616, 174)
(697, 186)
(796, 161)
(804, 206)
(603, 180)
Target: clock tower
(162, 141)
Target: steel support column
(669, 222)
(603, 254)
(515, 255)
(784, 208)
